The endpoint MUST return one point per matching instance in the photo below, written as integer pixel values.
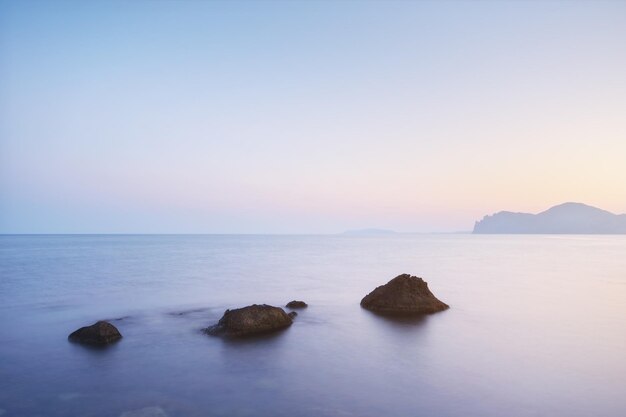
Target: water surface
(537, 326)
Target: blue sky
(306, 117)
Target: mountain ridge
(370, 232)
(565, 218)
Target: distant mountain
(377, 232)
(567, 218)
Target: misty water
(537, 326)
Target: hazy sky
(318, 116)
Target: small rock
(297, 304)
(405, 294)
(100, 333)
(292, 314)
(251, 320)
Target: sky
(306, 116)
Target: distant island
(369, 232)
(567, 218)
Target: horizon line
(235, 234)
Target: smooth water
(537, 326)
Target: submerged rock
(292, 314)
(251, 320)
(297, 304)
(405, 294)
(100, 333)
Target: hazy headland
(566, 218)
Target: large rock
(251, 320)
(405, 294)
(100, 333)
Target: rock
(297, 304)
(292, 314)
(251, 320)
(100, 333)
(405, 294)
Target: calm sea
(537, 326)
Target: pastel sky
(306, 117)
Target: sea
(536, 326)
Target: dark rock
(99, 333)
(251, 320)
(292, 314)
(405, 294)
(297, 304)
